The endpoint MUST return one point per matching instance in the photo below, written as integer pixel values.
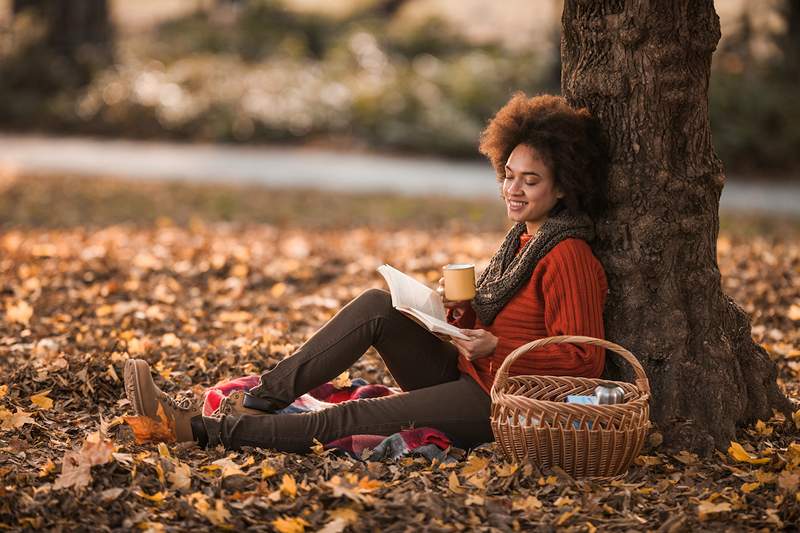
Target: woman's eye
(531, 183)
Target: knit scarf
(508, 271)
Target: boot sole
(132, 390)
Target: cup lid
(458, 266)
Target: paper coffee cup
(459, 281)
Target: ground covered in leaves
(205, 301)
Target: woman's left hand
(480, 344)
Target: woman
(543, 281)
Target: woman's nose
(514, 187)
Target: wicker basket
(532, 422)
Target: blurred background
(373, 93)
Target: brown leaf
(145, 429)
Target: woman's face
(528, 189)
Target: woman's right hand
(450, 304)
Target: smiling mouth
(515, 204)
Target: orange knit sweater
(564, 296)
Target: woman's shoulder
(571, 255)
(571, 247)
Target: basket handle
(502, 373)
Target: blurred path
(306, 167)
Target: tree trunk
(642, 68)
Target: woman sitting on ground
(542, 281)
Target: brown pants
(435, 393)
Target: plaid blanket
(426, 441)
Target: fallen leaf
(788, 481)
(14, 420)
(20, 312)
(288, 485)
(528, 504)
(145, 429)
(158, 497)
(229, 468)
(342, 381)
(181, 477)
(41, 400)
(290, 524)
(474, 464)
(454, 484)
(747, 488)
(3, 391)
(707, 508)
(740, 454)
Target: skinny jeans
(434, 392)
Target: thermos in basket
(607, 393)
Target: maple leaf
(14, 420)
(76, 466)
(145, 429)
(288, 485)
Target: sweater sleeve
(464, 319)
(574, 288)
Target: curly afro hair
(569, 140)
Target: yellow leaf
(318, 448)
(563, 500)
(20, 312)
(794, 312)
(342, 381)
(158, 497)
(474, 464)
(747, 488)
(707, 508)
(507, 469)
(528, 505)
(566, 516)
(3, 391)
(762, 429)
(267, 470)
(278, 290)
(219, 515)
(42, 401)
(740, 454)
(454, 484)
(288, 485)
(199, 501)
(48, 468)
(348, 514)
(163, 450)
(290, 524)
(796, 419)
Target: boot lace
(183, 401)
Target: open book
(419, 303)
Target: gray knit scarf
(508, 271)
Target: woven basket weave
(532, 422)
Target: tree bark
(642, 68)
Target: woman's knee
(376, 300)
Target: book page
(408, 292)
(434, 324)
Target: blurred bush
(257, 71)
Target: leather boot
(145, 398)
